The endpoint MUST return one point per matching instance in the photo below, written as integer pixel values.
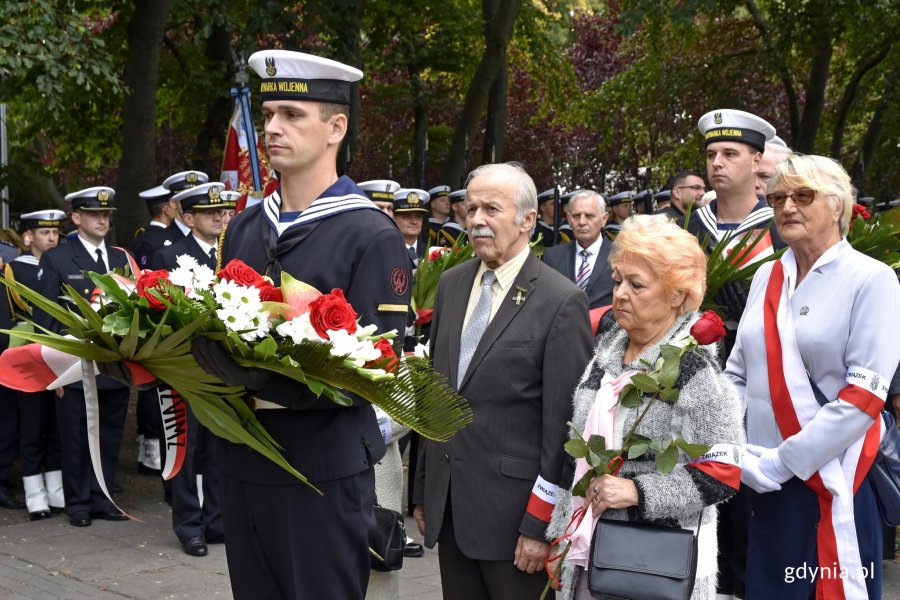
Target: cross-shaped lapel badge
(519, 298)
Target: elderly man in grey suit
(513, 336)
(585, 261)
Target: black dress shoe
(110, 513)
(194, 546)
(39, 515)
(216, 539)
(8, 501)
(82, 518)
(413, 550)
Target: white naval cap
(727, 124)
(288, 75)
(93, 198)
(41, 218)
(155, 195)
(381, 190)
(230, 198)
(201, 197)
(184, 180)
(438, 191)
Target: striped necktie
(478, 322)
(584, 271)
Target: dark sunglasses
(801, 197)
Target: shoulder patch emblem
(399, 280)
(167, 243)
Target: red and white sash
(794, 405)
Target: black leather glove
(213, 359)
(118, 371)
(733, 298)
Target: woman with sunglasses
(815, 353)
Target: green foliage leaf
(692, 450)
(597, 443)
(630, 397)
(637, 450)
(645, 382)
(669, 395)
(668, 375)
(576, 448)
(580, 488)
(666, 460)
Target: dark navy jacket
(360, 251)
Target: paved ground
(50, 559)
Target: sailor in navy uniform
(439, 203)
(9, 415)
(196, 523)
(65, 265)
(39, 432)
(284, 539)
(620, 208)
(381, 193)
(735, 141)
(410, 213)
(455, 227)
(546, 215)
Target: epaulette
(12, 296)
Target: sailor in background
(440, 212)
(620, 208)
(39, 431)
(381, 193)
(455, 227)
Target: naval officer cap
(155, 195)
(379, 190)
(184, 180)
(41, 218)
(564, 199)
(439, 191)
(621, 198)
(663, 195)
(288, 75)
(410, 200)
(457, 196)
(727, 124)
(547, 196)
(230, 198)
(205, 196)
(92, 198)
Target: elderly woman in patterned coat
(660, 275)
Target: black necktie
(212, 256)
(101, 266)
(412, 254)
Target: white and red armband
(542, 499)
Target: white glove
(752, 475)
(770, 463)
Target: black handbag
(885, 472)
(387, 539)
(641, 561)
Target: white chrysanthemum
(235, 319)
(367, 331)
(421, 350)
(359, 351)
(186, 261)
(299, 329)
(261, 323)
(231, 295)
(182, 278)
(203, 277)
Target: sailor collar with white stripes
(759, 216)
(343, 196)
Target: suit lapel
(81, 258)
(458, 299)
(570, 261)
(507, 311)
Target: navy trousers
(782, 540)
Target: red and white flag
(238, 166)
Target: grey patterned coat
(708, 411)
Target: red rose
(435, 254)
(150, 280)
(269, 293)
(859, 211)
(387, 352)
(332, 311)
(423, 316)
(240, 273)
(709, 329)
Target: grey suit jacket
(600, 283)
(519, 385)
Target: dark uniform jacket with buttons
(519, 385)
(149, 242)
(64, 265)
(167, 258)
(340, 241)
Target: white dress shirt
(92, 250)
(594, 250)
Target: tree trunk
(479, 89)
(218, 106)
(348, 32)
(137, 165)
(495, 129)
(805, 138)
(865, 65)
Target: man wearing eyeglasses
(687, 189)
